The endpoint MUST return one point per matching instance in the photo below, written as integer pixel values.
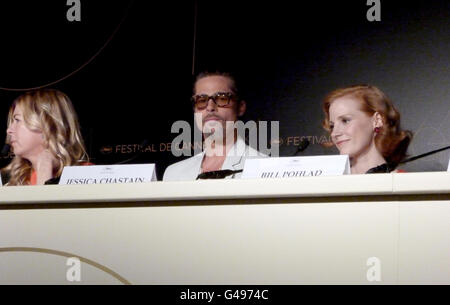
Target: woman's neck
(43, 167)
(366, 161)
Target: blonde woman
(45, 136)
(364, 124)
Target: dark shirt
(383, 168)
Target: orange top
(33, 178)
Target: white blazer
(190, 168)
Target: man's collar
(234, 156)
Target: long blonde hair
(51, 112)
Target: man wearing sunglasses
(217, 107)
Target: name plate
(106, 174)
(291, 167)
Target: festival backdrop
(128, 66)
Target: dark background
(128, 66)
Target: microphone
(220, 174)
(424, 155)
(5, 150)
(302, 146)
(389, 167)
(143, 144)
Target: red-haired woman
(364, 124)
